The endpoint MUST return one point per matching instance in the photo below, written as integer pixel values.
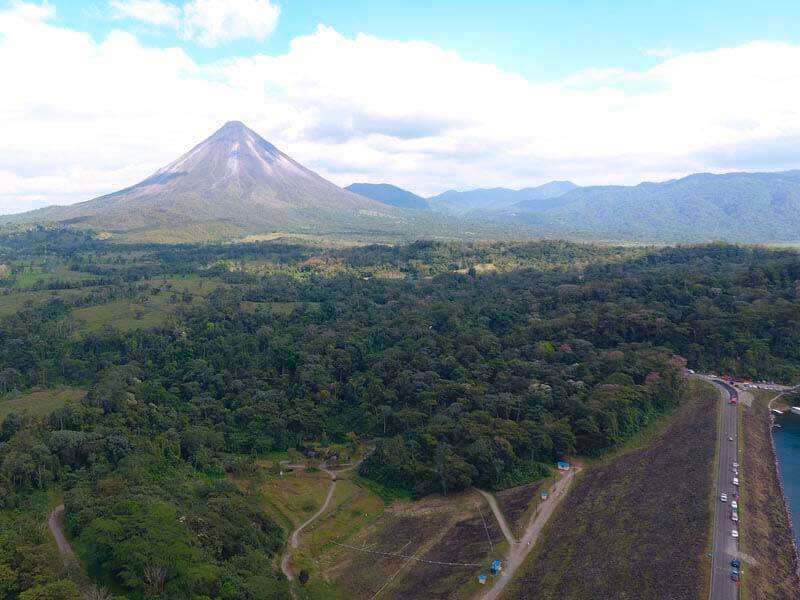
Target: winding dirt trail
(55, 522)
(294, 541)
(519, 550)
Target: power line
(396, 555)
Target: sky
(428, 95)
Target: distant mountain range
(236, 184)
(757, 207)
(389, 194)
(494, 199)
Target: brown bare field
(635, 526)
(438, 529)
(518, 503)
(765, 534)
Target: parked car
(734, 576)
(734, 517)
(734, 533)
(735, 481)
(734, 505)
(735, 465)
(735, 563)
(730, 439)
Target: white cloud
(212, 22)
(665, 52)
(153, 12)
(86, 117)
(209, 22)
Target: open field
(34, 276)
(14, 302)
(766, 538)
(154, 309)
(456, 529)
(636, 525)
(39, 402)
(295, 496)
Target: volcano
(232, 184)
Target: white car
(734, 533)
(734, 505)
(730, 439)
(736, 465)
(735, 481)
(723, 497)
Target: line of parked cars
(736, 572)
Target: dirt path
(294, 541)
(56, 524)
(498, 514)
(520, 549)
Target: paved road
(519, 550)
(725, 545)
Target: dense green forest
(458, 364)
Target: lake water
(787, 445)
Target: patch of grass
(154, 308)
(16, 301)
(39, 402)
(34, 276)
(635, 519)
(296, 495)
(387, 493)
(523, 473)
(123, 315)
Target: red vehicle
(733, 399)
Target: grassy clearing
(296, 495)
(16, 301)
(635, 525)
(764, 529)
(37, 276)
(447, 529)
(153, 309)
(39, 402)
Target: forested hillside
(461, 364)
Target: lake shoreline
(767, 543)
(782, 491)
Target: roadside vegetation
(635, 525)
(769, 570)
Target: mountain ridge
(387, 193)
(493, 199)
